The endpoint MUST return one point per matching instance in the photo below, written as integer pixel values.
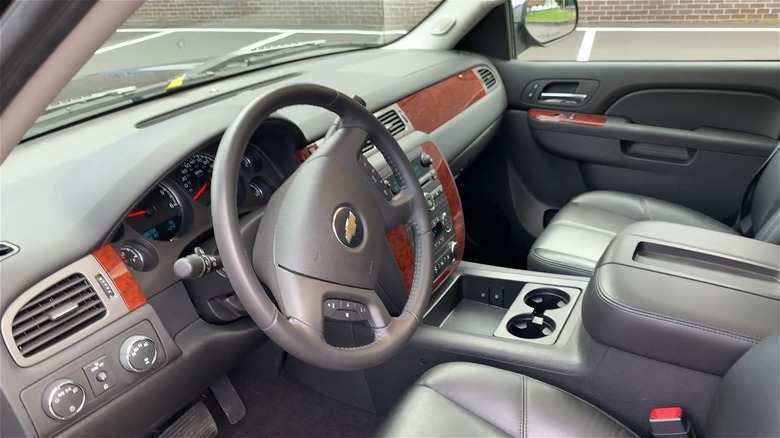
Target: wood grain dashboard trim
(399, 242)
(436, 105)
(122, 278)
(549, 116)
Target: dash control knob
(454, 250)
(429, 201)
(138, 354)
(63, 399)
(425, 159)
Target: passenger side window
(657, 30)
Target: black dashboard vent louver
(488, 77)
(7, 250)
(393, 122)
(58, 312)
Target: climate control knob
(429, 201)
(63, 399)
(425, 159)
(138, 354)
(454, 250)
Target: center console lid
(684, 295)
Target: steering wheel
(321, 238)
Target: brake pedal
(197, 422)
(228, 399)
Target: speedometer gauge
(196, 177)
(159, 216)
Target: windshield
(172, 44)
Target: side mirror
(540, 22)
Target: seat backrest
(747, 400)
(765, 204)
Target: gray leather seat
(579, 234)
(464, 399)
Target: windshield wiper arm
(248, 59)
(123, 92)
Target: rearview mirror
(540, 22)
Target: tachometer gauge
(196, 177)
(159, 216)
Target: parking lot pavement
(166, 53)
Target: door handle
(565, 98)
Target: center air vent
(394, 123)
(487, 77)
(56, 313)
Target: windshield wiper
(249, 59)
(69, 103)
(244, 60)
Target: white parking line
(680, 29)
(269, 40)
(587, 45)
(134, 41)
(259, 30)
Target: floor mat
(282, 407)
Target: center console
(683, 295)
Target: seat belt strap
(744, 223)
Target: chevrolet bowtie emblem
(350, 228)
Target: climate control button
(63, 399)
(138, 354)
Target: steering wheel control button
(138, 354)
(63, 399)
(345, 315)
(348, 227)
(330, 308)
(343, 310)
(100, 376)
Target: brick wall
(321, 14)
(679, 11)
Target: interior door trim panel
(618, 129)
(690, 109)
(618, 79)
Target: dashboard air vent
(487, 77)
(7, 250)
(56, 313)
(393, 122)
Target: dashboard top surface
(62, 180)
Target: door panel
(689, 133)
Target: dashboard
(120, 198)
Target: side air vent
(55, 314)
(7, 250)
(487, 77)
(392, 121)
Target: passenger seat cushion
(465, 399)
(580, 233)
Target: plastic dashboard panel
(101, 167)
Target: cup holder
(530, 326)
(547, 298)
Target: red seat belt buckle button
(666, 414)
(669, 423)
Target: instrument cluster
(175, 215)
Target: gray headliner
(81, 180)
